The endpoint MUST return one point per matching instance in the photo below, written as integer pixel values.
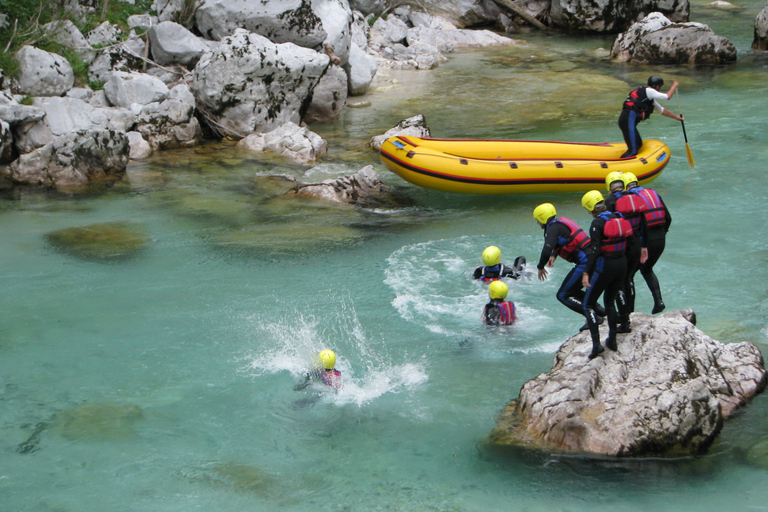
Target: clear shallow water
(164, 382)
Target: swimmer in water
(494, 269)
(325, 372)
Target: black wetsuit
(571, 291)
(607, 270)
(633, 253)
(496, 272)
(655, 240)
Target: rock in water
(665, 391)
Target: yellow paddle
(687, 147)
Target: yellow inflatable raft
(475, 166)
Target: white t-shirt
(656, 95)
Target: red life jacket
(631, 206)
(639, 101)
(507, 310)
(615, 233)
(578, 240)
(642, 201)
(499, 313)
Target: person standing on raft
(639, 106)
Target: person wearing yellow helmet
(606, 269)
(650, 218)
(639, 106)
(499, 311)
(494, 269)
(564, 238)
(325, 372)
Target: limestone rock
(171, 43)
(760, 41)
(42, 73)
(657, 40)
(415, 126)
(329, 96)
(363, 189)
(283, 21)
(72, 161)
(249, 84)
(124, 89)
(665, 391)
(292, 141)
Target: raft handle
(513, 165)
(559, 165)
(603, 165)
(410, 154)
(463, 161)
(644, 160)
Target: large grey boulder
(760, 41)
(171, 123)
(665, 391)
(43, 73)
(280, 21)
(171, 43)
(249, 84)
(126, 56)
(611, 16)
(463, 13)
(329, 96)
(126, 89)
(64, 115)
(657, 40)
(73, 161)
(360, 70)
(289, 140)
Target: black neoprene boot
(658, 304)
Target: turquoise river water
(164, 381)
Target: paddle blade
(690, 155)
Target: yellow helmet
(327, 359)
(630, 178)
(492, 256)
(591, 199)
(614, 177)
(498, 290)
(544, 212)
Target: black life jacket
(616, 231)
(493, 275)
(639, 101)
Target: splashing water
(366, 369)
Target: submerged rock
(665, 391)
(99, 421)
(104, 242)
(362, 188)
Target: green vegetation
(26, 17)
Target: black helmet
(655, 81)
